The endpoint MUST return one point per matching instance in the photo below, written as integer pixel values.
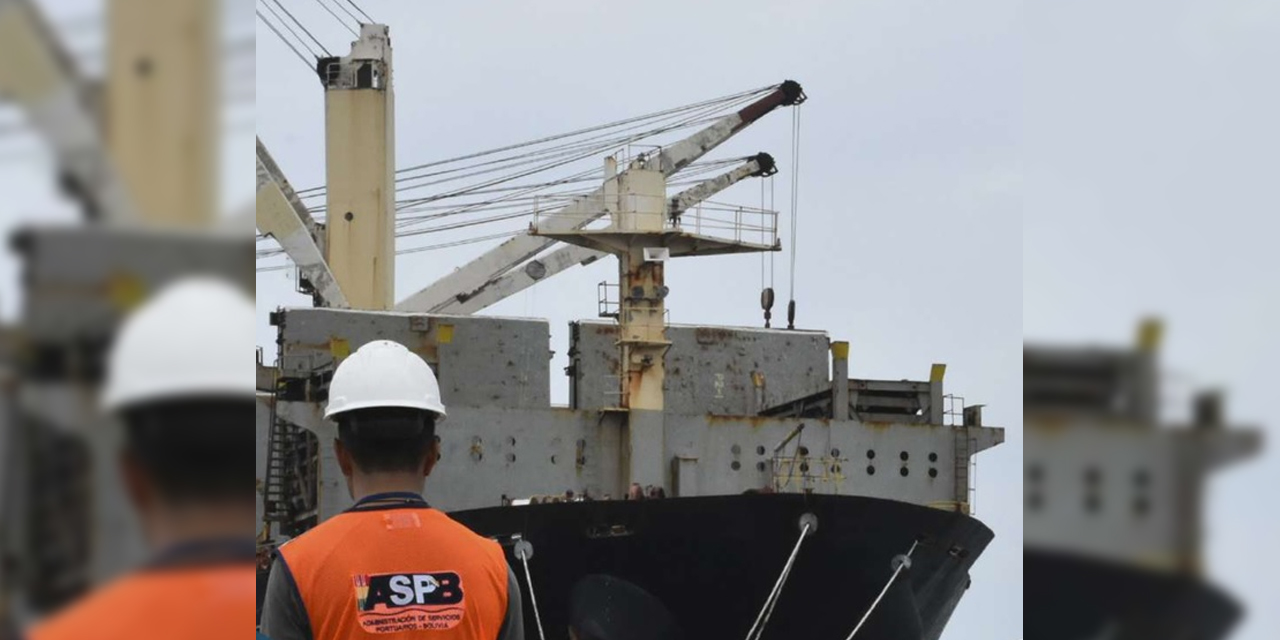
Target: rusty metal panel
(829, 457)
(716, 370)
(480, 361)
(489, 452)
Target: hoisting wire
(535, 170)
(903, 562)
(524, 550)
(336, 17)
(795, 200)
(775, 212)
(575, 153)
(300, 26)
(665, 114)
(808, 525)
(352, 3)
(285, 40)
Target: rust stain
(755, 422)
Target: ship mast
(360, 169)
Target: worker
(390, 564)
(179, 382)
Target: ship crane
(475, 276)
(539, 269)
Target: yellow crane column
(161, 107)
(360, 169)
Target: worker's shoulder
(101, 611)
(154, 600)
(322, 536)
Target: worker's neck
(364, 485)
(175, 524)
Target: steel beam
(282, 216)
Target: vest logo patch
(394, 602)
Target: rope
(533, 598)
(285, 40)
(906, 562)
(757, 629)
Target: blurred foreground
(1114, 509)
(120, 192)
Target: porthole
(871, 470)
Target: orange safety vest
(200, 603)
(393, 565)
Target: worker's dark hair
(195, 449)
(387, 439)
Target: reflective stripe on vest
(404, 569)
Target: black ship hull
(1069, 597)
(714, 560)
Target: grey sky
(909, 228)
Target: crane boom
(281, 215)
(566, 257)
(469, 279)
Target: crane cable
(300, 26)
(312, 192)
(336, 17)
(795, 202)
(284, 40)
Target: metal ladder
(965, 481)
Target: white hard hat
(383, 373)
(191, 339)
